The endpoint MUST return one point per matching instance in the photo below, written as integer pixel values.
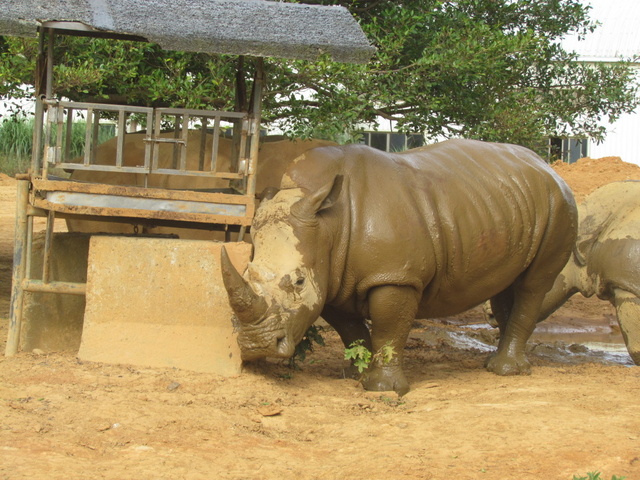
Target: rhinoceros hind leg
(501, 306)
(516, 364)
(518, 308)
(516, 311)
(628, 310)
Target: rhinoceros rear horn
(248, 306)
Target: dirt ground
(62, 418)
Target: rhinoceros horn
(248, 306)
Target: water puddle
(565, 344)
(593, 343)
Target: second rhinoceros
(362, 236)
(606, 259)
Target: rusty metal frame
(59, 117)
(111, 201)
(53, 154)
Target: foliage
(16, 139)
(313, 335)
(486, 69)
(94, 69)
(362, 357)
(596, 476)
(359, 354)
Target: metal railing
(180, 123)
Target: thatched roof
(239, 27)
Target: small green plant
(596, 476)
(362, 357)
(359, 354)
(313, 335)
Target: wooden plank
(40, 185)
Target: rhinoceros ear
(323, 198)
(268, 193)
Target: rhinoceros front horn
(248, 306)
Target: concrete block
(160, 303)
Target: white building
(617, 37)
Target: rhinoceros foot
(385, 378)
(351, 372)
(502, 364)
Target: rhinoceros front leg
(628, 311)
(392, 310)
(516, 313)
(351, 328)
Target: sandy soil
(63, 418)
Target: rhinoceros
(364, 237)
(606, 258)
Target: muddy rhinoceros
(606, 259)
(362, 237)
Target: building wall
(622, 140)
(616, 37)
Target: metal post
(41, 77)
(68, 136)
(48, 242)
(215, 145)
(95, 135)
(36, 149)
(203, 143)
(19, 269)
(255, 127)
(51, 41)
(254, 131)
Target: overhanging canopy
(237, 27)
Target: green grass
(16, 139)
(15, 145)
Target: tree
(487, 69)
(94, 69)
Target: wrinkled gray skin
(606, 260)
(356, 233)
